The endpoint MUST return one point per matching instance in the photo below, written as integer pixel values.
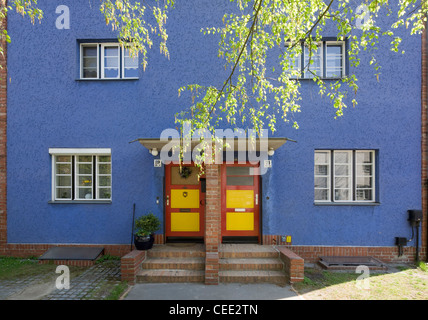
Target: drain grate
(346, 262)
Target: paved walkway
(92, 284)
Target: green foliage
(147, 225)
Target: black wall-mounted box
(400, 241)
(415, 216)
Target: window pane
(85, 168)
(104, 181)
(85, 181)
(85, 193)
(85, 159)
(363, 182)
(334, 67)
(90, 61)
(315, 66)
(364, 170)
(341, 182)
(104, 158)
(90, 73)
(239, 171)
(63, 159)
(321, 170)
(341, 157)
(322, 157)
(104, 193)
(63, 168)
(63, 181)
(341, 194)
(364, 157)
(321, 182)
(342, 170)
(111, 62)
(104, 169)
(321, 194)
(240, 181)
(364, 195)
(63, 193)
(131, 73)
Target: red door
(185, 203)
(240, 202)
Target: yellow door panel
(240, 221)
(185, 198)
(240, 198)
(185, 221)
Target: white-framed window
(328, 60)
(81, 174)
(107, 61)
(334, 59)
(344, 176)
(313, 61)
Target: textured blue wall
(48, 108)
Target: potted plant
(145, 227)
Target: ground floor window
(344, 175)
(81, 174)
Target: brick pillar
(212, 223)
(424, 150)
(3, 126)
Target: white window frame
(119, 51)
(82, 45)
(101, 63)
(124, 67)
(349, 176)
(320, 45)
(353, 176)
(322, 176)
(75, 152)
(336, 43)
(373, 175)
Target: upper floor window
(107, 61)
(326, 61)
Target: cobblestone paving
(10, 287)
(93, 284)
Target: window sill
(346, 203)
(79, 201)
(116, 79)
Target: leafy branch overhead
(259, 44)
(268, 33)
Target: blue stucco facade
(49, 107)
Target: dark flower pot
(144, 243)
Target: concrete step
(251, 264)
(170, 276)
(175, 263)
(247, 276)
(242, 251)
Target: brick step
(264, 276)
(170, 276)
(231, 251)
(251, 264)
(174, 263)
(165, 251)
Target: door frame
(183, 236)
(242, 236)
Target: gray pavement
(195, 291)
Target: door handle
(167, 200)
(257, 199)
(202, 202)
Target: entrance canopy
(272, 143)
